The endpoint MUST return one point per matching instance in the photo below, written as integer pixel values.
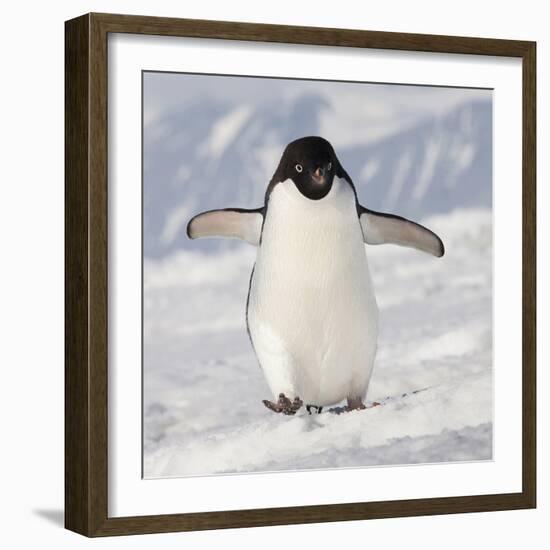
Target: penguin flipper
(232, 223)
(380, 228)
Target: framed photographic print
(300, 274)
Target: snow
(403, 167)
(203, 387)
(225, 130)
(369, 170)
(431, 156)
(176, 221)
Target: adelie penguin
(311, 311)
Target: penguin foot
(355, 404)
(284, 405)
(318, 409)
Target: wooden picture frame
(86, 282)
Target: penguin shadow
(337, 410)
(313, 413)
(396, 400)
(312, 421)
(346, 410)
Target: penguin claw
(284, 405)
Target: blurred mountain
(205, 156)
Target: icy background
(420, 152)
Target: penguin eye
(298, 168)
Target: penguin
(311, 311)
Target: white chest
(311, 244)
(312, 314)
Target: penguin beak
(319, 175)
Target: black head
(311, 163)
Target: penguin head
(311, 163)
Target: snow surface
(203, 387)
